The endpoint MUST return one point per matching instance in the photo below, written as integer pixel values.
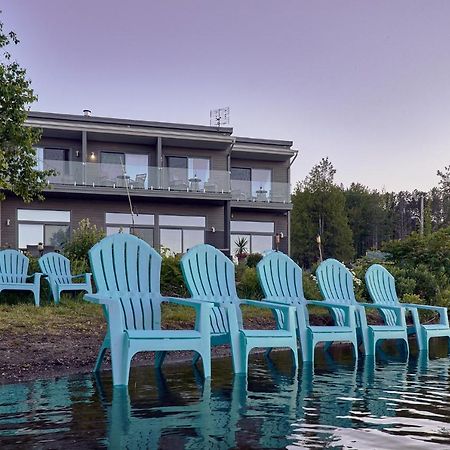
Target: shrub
(172, 283)
(82, 240)
(253, 259)
(248, 286)
(310, 287)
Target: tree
(366, 216)
(319, 209)
(18, 172)
(444, 188)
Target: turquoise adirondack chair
(127, 276)
(281, 281)
(209, 276)
(336, 285)
(381, 286)
(14, 274)
(56, 267)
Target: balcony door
(187, 172)
(57, 159)
(117, 167)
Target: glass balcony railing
(116, 176)
(267, 192)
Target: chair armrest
(78, 276)
(328, 305)
(264, 304)
(380, 306)
(398, 310)
(37, 277)
(99, 299)
(186, 301)
(441, 310)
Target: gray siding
(95, 210)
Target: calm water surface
(383, 405)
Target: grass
(20, 315)
(50, 318)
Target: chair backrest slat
(56, 265)
(381, 286)
(210, 274)
(336, 285)
(127, 269)
(280, 277)
(335, 282)
(281, 281)
(13, 267)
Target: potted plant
(241, 251)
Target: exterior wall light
(92, 156)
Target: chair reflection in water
(202, 416)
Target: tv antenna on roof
(219, 117)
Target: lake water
(389, 404)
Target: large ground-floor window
(258, 235)
(49, 227)
(180, 233)
(123, 223)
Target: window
(122, 223)
(187, 173)
(259, 235)
(180, 233)
(50, 227)
(251, 184)
(118, 167)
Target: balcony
(260, 193)
(167, 181)
(137, 178)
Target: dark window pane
(146, 234)
(237, 173)
(56, 235)
(177, 162)
(57, 159)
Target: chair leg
(267, 352)
(355, 349)
(55, 294)
(159, 359)
(36, 296)
(425, 342)
(237, 354)
(206, 360)
(371, 344)
(295, 356)
(120, 361)
(195, 358)
(101, 355)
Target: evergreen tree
(319, 209)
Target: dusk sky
(366, 83)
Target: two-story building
(173, 185)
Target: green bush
(310, 287)
(82, 240)
(172, 283)
(253, 259)
(248, 286)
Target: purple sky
(366, 83)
